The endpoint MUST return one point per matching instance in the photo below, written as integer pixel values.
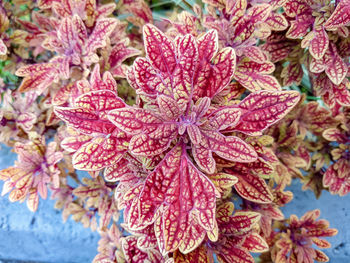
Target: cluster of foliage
(176, 111)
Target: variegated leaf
(254, 76)
(264, 108)
(181, 194)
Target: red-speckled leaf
(223, 181)
(240, 222)
(254, 76)
(295, 7)
(85, 121)
(336, 68)
(179, 192)
(250, 186)
(259, 12)
(277, 22)
(183, 74)
(195, 234)
(318, 65)
(208, 45)
(160, 49)
(101, 101)
(68, 34)
(141, 13)
(118, 171)
(216, 3)
(198, 255)
(292, 74)
(284, 246)
(230, 253)
(264, 108)
(168, 107)
(224, 212)
(224, 67)
(103, 28)
(255, 243)
(194, 133)
(141, 121)
(321, 243)
(99, 153)
(337, 177)
(335, 135)
(278, 47)
(230, 148)
(26, 120)
(72, 144)
(203, 158)
(299, 27)
(224, 118)
(151, 133)
(33, 200)
(255, 54)
(46, 4)
(144, 145)
(37, 77)
(148, 80)
(317, 41)
(107, 82)
(233, 91)
(135, 255)
(213, 76)
(147, 239)
(106, 9)
(321, 256)
(333, 95)
(342, 93)
(3, 48)
(340, 16)
(135, 120)
(121, 52)
(236, 9)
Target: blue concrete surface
(43, 237)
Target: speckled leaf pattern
(254, 76)
(228, 147)
(300, 26)
(264, 108)
(340, 16)
(134, 254)
(159, 50)
(249, 185)
(101, 101)
(293, 73)
(277, 22)
(72, 144)
(198, 255)
(3, 48)
(99, 153)
(181, 194)
(337, 178)
(103, 28)
(37, 77)
(332, 64)
(255, 243)
(84, 121)
(317, 41)
(151, 134)
(236, 231)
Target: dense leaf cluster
(176, 113)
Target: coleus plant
(210, 113)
